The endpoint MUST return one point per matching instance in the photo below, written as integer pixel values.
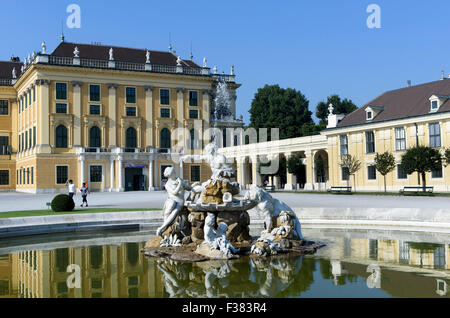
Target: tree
(295, 165)
(447, 156)
(286, 109)
(421, 159)
(345, 107)
(384, 163)
(352, 164)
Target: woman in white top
(71, 186)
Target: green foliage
(62, 203)
(295, 165)
(384, 163)
(351, 163)
(447, 156)
(421, 159)
(345, 106)
(286, 109)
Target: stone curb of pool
(411, 219)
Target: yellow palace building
(104, 115)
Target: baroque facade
(393, 122)
(108, 116)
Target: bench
(340, 189)
(269, 187)
(416, 189)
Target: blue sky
(318, 47)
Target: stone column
(206, 113)
(82, 176)
(151, 186)
(309, 170)
(148, 116)
(112, 126)
(256, 177)
(111, 175)
(180, 115)
(43, 119)
(77, 113)
(121, 187)
(291, 179)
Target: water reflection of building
(106, 271)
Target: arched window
(131, 138)
(95, 140)
(61, 136)
(224, 137)
(165, 138)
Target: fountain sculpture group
(211, 223)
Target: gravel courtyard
(19, 201)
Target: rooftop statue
(44, 48)
(178, 61)
(14, 73)
(76, 52)
(147, 56)
(204, 61)
(111, 54)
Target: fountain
(213, 223)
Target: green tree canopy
(276, 107)
(352, 164)
(295, 165)
(421, 159)
(345, 106)
(384, 163)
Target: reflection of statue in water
(218, 162)
(174, 204)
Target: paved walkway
(19, 201)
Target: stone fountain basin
(234, 206)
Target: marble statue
(111, 54)
(215, 69)
(174, 204)
(216, 237)
(330, 109)
(204, 62)
(147, 56)
(25, 62)
(29, 58)
(44, 48)
(14, 73)
(274, 209)
(76, 52)
(22, 68)
(232, 70)
(218, 162)
(178, 61)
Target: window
(435, 135)
(94, 93)
(224, 138)
(34, 93)
(28, 175)
(61, 137)
(131, 95)
(20, 176)
(371, 173)
(400, 139)
(34, 136)
(61, 108)
(344, 145)
(30, 137)
(193, 98)
(61, 91)
(131, 138)
(17, 177)
(26, 140)
(29, 98)
(94, 109)
(32, 175)
(165, 112)
(4, 109)
(434, 105)
(369, 115)
(235, 140)
(401, 174)
(193, 114)
(62, 174)
(23, 175)
(4, 177)
(370, 142)
(4, 145)
(165, 138)
(164, 97)
(195, 173)
(345, 174)
(95, 137)
(193, 141)
(436, 173)
(96, 173)
(130, 111)
(26, 101)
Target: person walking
(84, 193)
(71, 187)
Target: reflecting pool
(355, 263)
